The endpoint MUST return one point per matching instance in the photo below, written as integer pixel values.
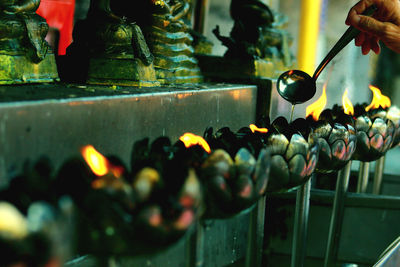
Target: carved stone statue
(171, 43)
(22, 28)
(255, 34)
(166, 26)
(114, 46)
(22, 43)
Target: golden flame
(347, 105)
(378, 100)
(190, 139)
(254, 128)
(315, 109)
(99, 164)
(96, 161)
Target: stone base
(221, 68)
(125, 71)
(179, 76)
(17, 69)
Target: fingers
(356, 10)
(367, 43)
(374, 42)
(359, 8)
(366, 47)
(371, 26)
(360, 39)
(383, 26)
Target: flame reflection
(315, 109)
(378, 100)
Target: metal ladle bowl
(296, 86)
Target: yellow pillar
(308, 34)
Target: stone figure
(105, 32)
(171, 43)
(25, 56)
(255, 34)
(21, 29)
(166, 26)
(113, 46)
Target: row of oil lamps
(170, 186)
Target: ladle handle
(349, 35)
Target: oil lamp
(377, 133)
(334, 133)
(167, 190)
(393, 114)
(374, 132)
(234, 179)
(293, 159)
(105, 210)
(381, 107)
(233, 185)
(26, 240)
(334, 130)
(142, 211)
(34, 184)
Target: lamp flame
(99, 164)
(378, 100)
(315, 109)
(347, 105)
(190, 139)
(254, 129)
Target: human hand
(384, 25)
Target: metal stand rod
(378, 174)
(196, 246)
(335, 227)
(300, 225)
(200, 15)
(256, 235)
(363, 174)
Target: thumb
(371, 26)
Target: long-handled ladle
(296, 86)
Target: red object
(59, 14)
